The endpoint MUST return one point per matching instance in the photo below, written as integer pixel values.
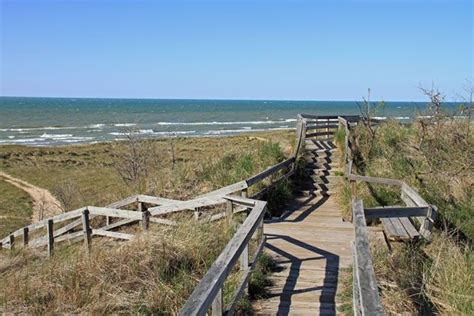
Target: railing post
(25, 236)
(87, 231)
(218, 304)
(244, 262)
(49, 229)
(196, 214)
(353, 188)
(146, 220)
(229, 211)
(11, 238)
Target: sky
(289, 50)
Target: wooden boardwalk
(310, 243)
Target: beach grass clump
(153, 274)
(436, 158)
(278, 195)
(237, 166)
(449, 278)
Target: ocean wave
(152, 132)
(45, 128)
(55, 136)
(226, 123)
(124, 124)
(95, 125)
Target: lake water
(60, 121)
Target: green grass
(15, 208)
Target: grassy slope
(419, 278)
(90, 172)
(15, 208)
(151, 275)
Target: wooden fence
(366, 299)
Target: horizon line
(218, 99)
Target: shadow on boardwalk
(325, 290)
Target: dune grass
(154, 273)
(436, 159)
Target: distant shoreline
(63, 121)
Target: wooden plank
(368, 289)
(124, 202)
(106, 233)
(394, 229)
(240, 200)
(114, 212)
(316, 134)
(411, 230)
(355, 283)
(225, 190)
(155, 200)
(187, 205)
(413, 195)
(375, 180)
(262, 175)
(43, 223)
(400, 231)
(390, 211)
(208, 288)
(321, 126)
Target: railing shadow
(328, 287)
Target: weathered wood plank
(413, 195)
(394, 211)
(114, 212)
(316, 134)
(411, 230)
(395, 230)
(375, 180)
(206, 291)
(270, 171)
(106, 233)
(240, 200)
(155, 200)
(187, 205)
(318, 126)
(225, 190)
(368, 289)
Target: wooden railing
(366, 300)
(209, 290)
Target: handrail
(366, 300)
(209, 290)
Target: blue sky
(317, 50)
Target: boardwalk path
(310, 243)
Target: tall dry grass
(152, 274)
(437, 159)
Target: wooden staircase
(310, 243)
